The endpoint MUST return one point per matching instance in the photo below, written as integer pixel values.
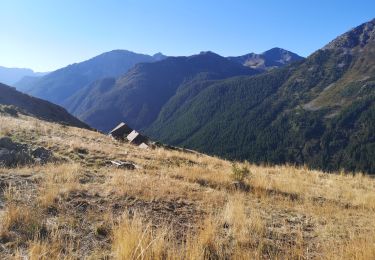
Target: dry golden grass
(27, 222)
(176, 205)
(132, 239)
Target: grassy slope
(177, 205)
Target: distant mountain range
(10, 76)
(139, 95)
(36, 107)
(61, 84)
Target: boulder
(13, 154)
(16, 154)
(42, 155)
(7, 143)
(6, 158)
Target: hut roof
(121, 131)
(136, 138)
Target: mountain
(10, 76)
(36, 107)
(138, 96)
(319, 111)
(61, 84)
(25, 83)
(273, 58)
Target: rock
(13, 154)
(6, 159)
(6, 142)
(42, 155)
(124, 165)
(16, 154)
(11, 158)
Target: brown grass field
(176, 205)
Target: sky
(45, 35)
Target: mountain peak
(208, 53)
(273, 58)
(277, 50)
(281, 56)
(159, 56)
(357, 37)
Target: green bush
(239, 174)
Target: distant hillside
(25, 83)
(63, 83)
(36, 107)
(10, 76)
(319, 112)
(273, 58)
(138, 96)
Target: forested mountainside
(139, 95)
(318, 112)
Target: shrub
(9, 110)
(239, 174)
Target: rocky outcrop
(14, 154)
(359, 36)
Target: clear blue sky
(47, 34)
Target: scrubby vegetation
(240, 174)
(8, 110)
(175, 205)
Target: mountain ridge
(11, 76)
(37, 107)
(59, 85)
